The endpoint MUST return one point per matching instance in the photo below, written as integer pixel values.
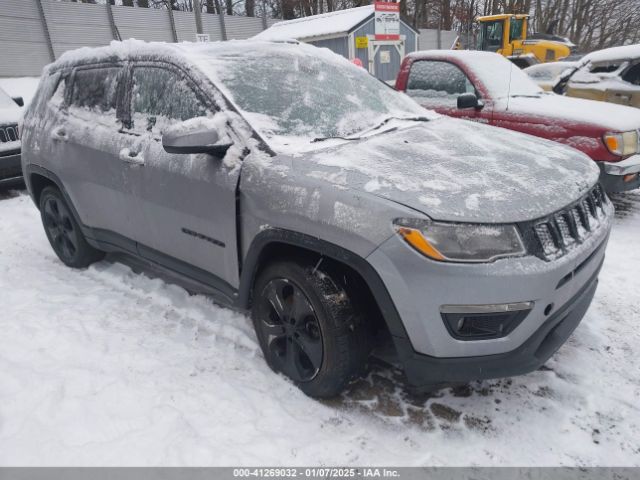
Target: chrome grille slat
(567, 227)
(9, 133)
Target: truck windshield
(292, 94)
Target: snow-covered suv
(284, 181)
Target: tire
(64, 233)
(308, 328)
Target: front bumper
(620, 176)
(560, 291)
(423, 370)
(10, 167)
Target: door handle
(131, 156)
(60, 134)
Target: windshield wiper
(322, 139)
(375, 127)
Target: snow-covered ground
(110, 367)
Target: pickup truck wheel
(63, 231)
(308, 328)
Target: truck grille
(559, 232)
(9, 133)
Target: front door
(186, 203)
(626, 89)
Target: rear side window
(95, 89)
(439, 81)
(161, 97)
(604, 68)
(632, 75)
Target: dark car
(10, 113)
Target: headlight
(622, 144)
(461, 242)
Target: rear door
(437, 84)
(90, 137)
(186, 204)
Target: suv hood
(609, 116)
(454, 170)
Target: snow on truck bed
(108, 367)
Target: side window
(515, 32)
(632, 75)
(604, 68)
(437, 81)
(95, 89)
(491, 35)
(160, 98)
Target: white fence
(428, 39)
(36, 32)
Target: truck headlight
(622, 144)
(460, 242)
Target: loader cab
(503, 34)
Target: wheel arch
(38, 178)
(280, 243)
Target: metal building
(376, 34)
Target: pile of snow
(108, 367)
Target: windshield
(293, 94)
(501, 77)
(5, 100)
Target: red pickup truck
(485, 87)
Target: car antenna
(509, 87)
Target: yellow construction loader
(507, 34)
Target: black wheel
(308, 328)
(63, 231)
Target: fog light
(484, 322)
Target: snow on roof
(332, 23)
(461, 54)
(628, 52)
(184, 52)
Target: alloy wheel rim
(292, 331)
(57, 220)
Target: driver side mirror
(198, 138)
(469, 100)
(19, 101)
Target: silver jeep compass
(282, 180)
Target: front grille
(558, 233)
(9, 133)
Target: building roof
(333, 23)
